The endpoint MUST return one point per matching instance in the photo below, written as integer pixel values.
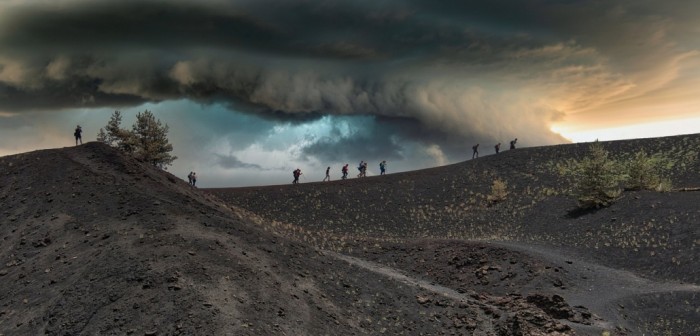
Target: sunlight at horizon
(634, 131)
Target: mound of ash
(94, 242)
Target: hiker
(345, 171)
(382, 168)
(194, 179)
(78, 135)
(364, 170)
(475, 148)
(296, 174)
(328, 174)
(497, 147)
(189, 177)
(359, 167)
(512, 143)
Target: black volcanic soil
(95, 243)
(633, 268)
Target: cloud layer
(438, 74)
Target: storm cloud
(232, 162)
(438, 75)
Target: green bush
(597, 177)
(646, 172)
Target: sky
(253, 89)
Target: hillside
(95, 243)
(635, 264)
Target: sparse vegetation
(499, 191)
(646, 172)
(598, 178)
(147, 140)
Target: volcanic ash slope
(95, 243)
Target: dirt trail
(603, 289)
(487, 307)
(595, 277)
(598, 288)
(399, 276)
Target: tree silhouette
(147, 140)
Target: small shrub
(597, 178)
(645, 172)
(499, 191)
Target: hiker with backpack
(475, 148)
(296, 174)
(359, 167)
(497, 147)
(345, 171)
(194, 179)
(189, 177)
(78, 134)
(328, 174)
(512, 143)
(382, 168)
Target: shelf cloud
(454, 70)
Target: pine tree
(150, 140)
(598, 180)
(649, 172)
(114, 136)
(114, 130)
(147, 140)
(102, 136)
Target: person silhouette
(296, 174)
(78, 135)
(328, 174)
(345, 171)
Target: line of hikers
(362, 168)
(475, 148)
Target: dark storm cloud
(387, 138)
(365, 138)
(232, 162)
(83, 93)
(461, 68)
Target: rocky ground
(631, 268)
(95, 243)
